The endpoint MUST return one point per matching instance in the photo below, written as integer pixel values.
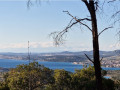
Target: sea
(68, 66)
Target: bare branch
(87, 4)
(118, 33)
(69, 26)
(79, 20)
(116, 21)
(86, 26)
(115, 14)
(58, 36)
(101, 59)
(111, 1)
(84, 19)
(89, 58)
(96, 5)
(104, 30)
(29, 3)
(76, 18)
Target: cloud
(41, 44)
(49, 47)
(110, 47)
(114, 46)
(25, 45)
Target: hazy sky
(18, 25)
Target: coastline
(105, 65)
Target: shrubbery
(38, 77)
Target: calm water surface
(5, 63)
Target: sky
(20, 24)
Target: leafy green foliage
(62, 80)
(3, 86)
(31, 76)
(38, 77)
(83, 79)
(108, 84)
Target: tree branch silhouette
(89, 58)
(58, 36)
(104, 30)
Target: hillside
(61, 56)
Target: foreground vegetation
(38, 77)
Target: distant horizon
(60, 51)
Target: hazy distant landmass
(65, 56)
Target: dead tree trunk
(96, 57)
(96, 53)
(58, 37)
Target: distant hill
(65, 56)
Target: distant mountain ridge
(65, 56)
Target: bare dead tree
(92, 6)
(58, 37)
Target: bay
(7, 63)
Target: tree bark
(96, 57)
(96, 47)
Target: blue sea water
(6, 63)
